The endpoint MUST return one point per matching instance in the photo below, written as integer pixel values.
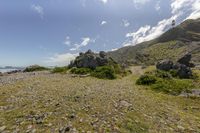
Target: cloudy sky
(53, 32)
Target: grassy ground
(51, 102)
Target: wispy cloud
(60, 59)
(126, 23)
(157, 6)
(103, 22)
(85, 42)
(179, 7)
(139, 3)
(67, 41)
(38, 9)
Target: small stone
(64, 129)
(2, 128)
(72, 116)
(180, 127)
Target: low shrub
(173, 86)
(163, 74)
(60, 70)
(174, 73)
(146, 80)
(35, 68)
(81, 71)
(104, 72)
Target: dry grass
(90, 104)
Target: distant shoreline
(4, 70)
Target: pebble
(2, 128)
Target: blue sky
(53, 32)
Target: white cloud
(85, 42)
(126, 23)
(114, 49)
(195, 10)
(179, 8)
(67, 41)
(103, 22)
(104, 1)
(139, 3)
(157, 6)
(61, 59)
(38, 9)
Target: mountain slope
(172, 44)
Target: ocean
(7, 70)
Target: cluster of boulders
(90, 59)
(182, 66)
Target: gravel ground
(54, 103)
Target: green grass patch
(166, 82)
(60, 70)
(81, 71)
(172, 86)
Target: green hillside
(172, 44)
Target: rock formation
(90, 59)
(182, 66)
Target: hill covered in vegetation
(185, 38)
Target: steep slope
(172, 44)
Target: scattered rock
(64, 129)
(182, 66)
(72, 116)
(193, 93)
(124, 104)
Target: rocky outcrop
(90, 59)
(185, 60)
(182, 66)
(165, 65)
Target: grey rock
(2, 128)
(90, 59)
(165, 65)
(185, 60)
(64, 129)
(184, 72)
(193, 93)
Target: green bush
(173, 86)
(174, 73)
(81, 71)
(35, 68)
(60, 70)
(104, 72)
(146, 80)
(163, 74)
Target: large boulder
(184, 72)
(185, 60)
(182, 66)
(90, 59)
(165, 65)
